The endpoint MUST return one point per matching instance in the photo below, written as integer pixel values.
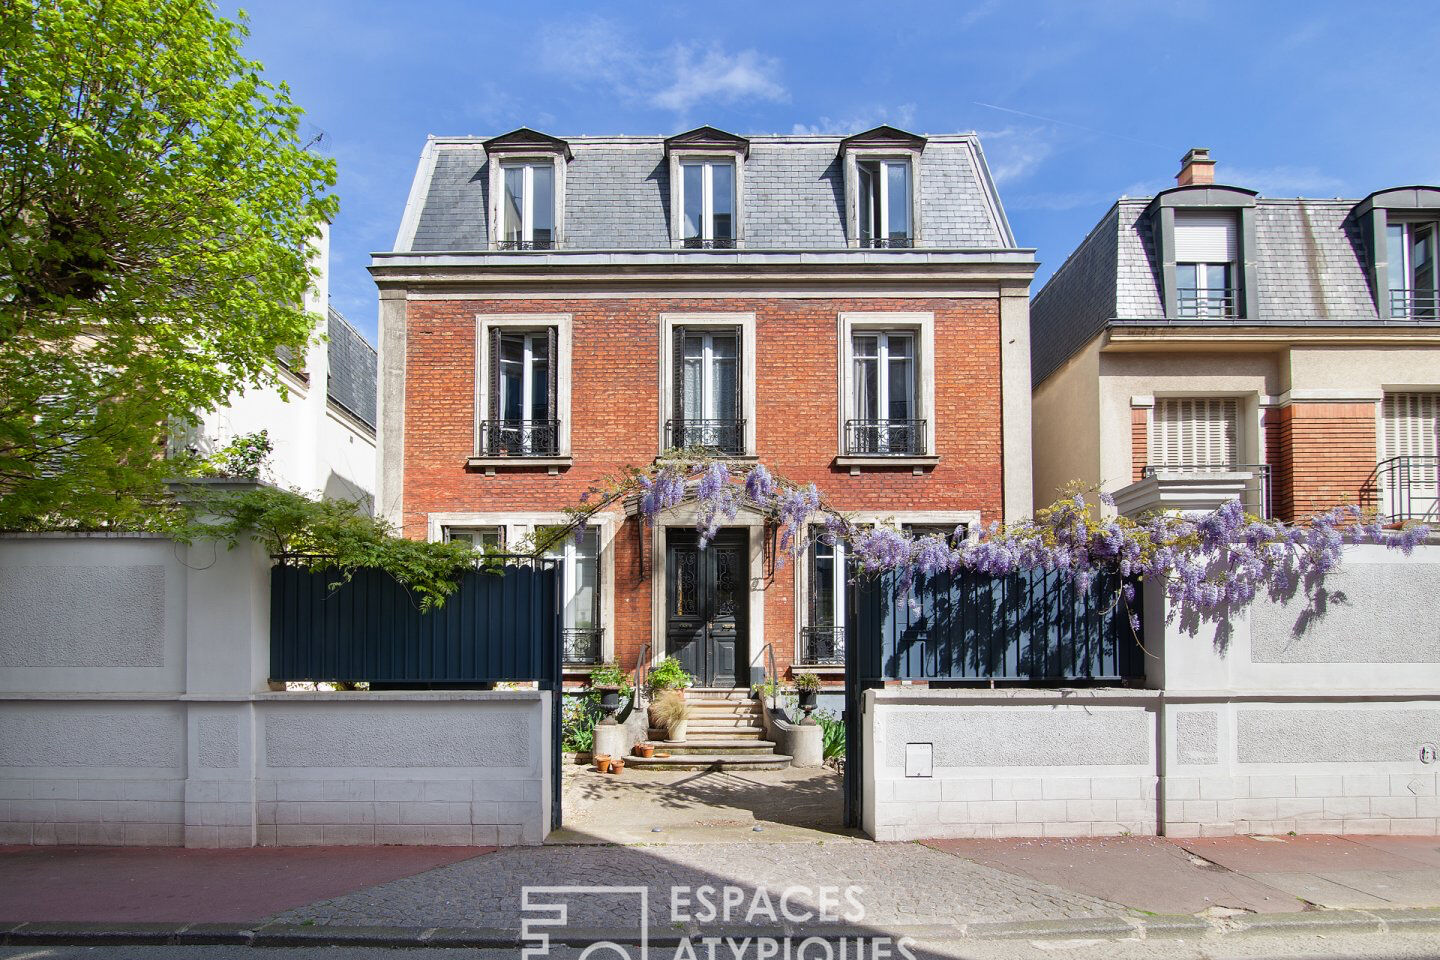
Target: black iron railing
(719, 243)
(722, 436)
(1414, 304)
(893, 243)
(822, 646)
(1257, 498)
(882, 438)
(1402, 489)
(581, 645)
(1192, 302)
(525, 244)
(519, 438)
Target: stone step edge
(1379, 921)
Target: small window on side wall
(883, 203)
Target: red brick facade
(1321, 455)
(615, 420)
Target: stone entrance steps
(724, 733)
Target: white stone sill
(337, 696)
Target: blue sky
(1076, 102)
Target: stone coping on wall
(906, 696)
(81, 535)
(337, 696)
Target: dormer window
(883, 205)
(882, 176)
(1412, 286)
(528, 211)
(707, 192)
(527, 190)
(1205, 254)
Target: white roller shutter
(1205, 237)
(1411, 428)
(1195, 431)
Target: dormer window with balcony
(1205, 255)
(1412, 286)
(527, 190)
(707, 184)
(882, 176)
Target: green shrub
(609, 675)
(832, 733)
(668, 675)
(807, 681)
(577, 723)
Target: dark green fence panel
(495, 627)
(1033, 627)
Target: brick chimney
(1196, 168)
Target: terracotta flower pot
(617, 766)
(602, 763)
(644, 749)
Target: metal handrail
(1404, 488)
(767, 652)
(1193, 302)
(642, 671)
(1413, 304)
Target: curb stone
(56, 933)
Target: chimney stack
(1196, 168)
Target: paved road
(1270, 947)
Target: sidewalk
(945, 889)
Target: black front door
(706, 600)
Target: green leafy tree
(158, 209)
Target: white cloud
(902, 116)
(1281, 181)
(1015, 153)
(677, 78)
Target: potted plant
(807, 686)
(671, 713)
(668, 675)
(614, 688)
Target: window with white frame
(883, 203)
(884, 403)
(1195, 432)
(482, 539)
(822, 640)
(1410, 431)
(1414, 281)
(707, 389)
(1206, 250)
(579, 561)
(527, 209)
(708, 203)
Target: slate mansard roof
(618, 196)
(1311, 270)
(352, 369)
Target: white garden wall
(135, 709)
(1313, 716)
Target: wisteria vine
(1208, 565)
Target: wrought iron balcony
(885, 438)
(822, 646)
(519, 438)
(1402, 489)
(720, 436)
(525, 244)
(581, 645)
(1414, 305)
(1257, 498)
(719, 243)
(1191, 302)
(892, 243)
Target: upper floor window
(1413, 277)
(527, 215)
(1205, 256)
(707, 191)
(523, 418)
(884, 405)
(883, 203)
(707, 390)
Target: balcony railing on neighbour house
(581, 645)
(1192, 302)
(891, 243)
(1402, 489)
(882, 438)
(519, 438)
(822, 646)
(526, 245)
(1257, 498)
(721, 436)
(1414, 305)
(719, 243)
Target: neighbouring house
(850, 311)
(1208, 337)
(323, 434)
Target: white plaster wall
(1011, 763)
